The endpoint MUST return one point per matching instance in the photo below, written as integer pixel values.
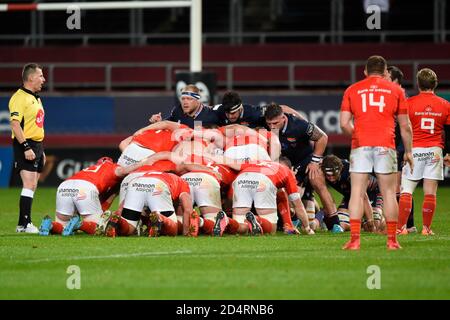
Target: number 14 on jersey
(372, 103)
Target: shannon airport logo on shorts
(248, 184)
(427, 156)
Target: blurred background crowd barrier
(107, 77)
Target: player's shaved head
(427, 79)
(376, 65)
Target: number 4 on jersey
(380, 104)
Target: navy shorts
(20, 163)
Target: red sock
(391, 227)
(88, 227)
(123, 228)
(428, 208)
(355, 229)
(57, 228)
(404, 208)
(265, 225)
(283, 208)
(169, 227)
(232, 227)
(208, 226)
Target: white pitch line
(112, 256)
(211, 255)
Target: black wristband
(25, 146)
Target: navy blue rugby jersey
(295, 139)
(206, 116)
(252, 116)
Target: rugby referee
(27, 126)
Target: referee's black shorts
(20, 163)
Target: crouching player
(337, 175)
(258, 184)
(157, 191)
(88, 192)
(158, 137)
(206, 192)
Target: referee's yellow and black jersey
(26, 107)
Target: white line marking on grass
(343, 256)
(112, 256)
(431, 238)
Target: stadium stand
(286, 47)
(286, 66)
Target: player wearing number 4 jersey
(429, 115)
(373, 103)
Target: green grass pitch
(232, 267)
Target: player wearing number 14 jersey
(373, 104)
(429, 114)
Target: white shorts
(77, 196)
(378, 159)
(247, 152)
(125, 182)
(254, 187)
(205, 189)
(132, 154)
(428, 164)
(148, 192)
